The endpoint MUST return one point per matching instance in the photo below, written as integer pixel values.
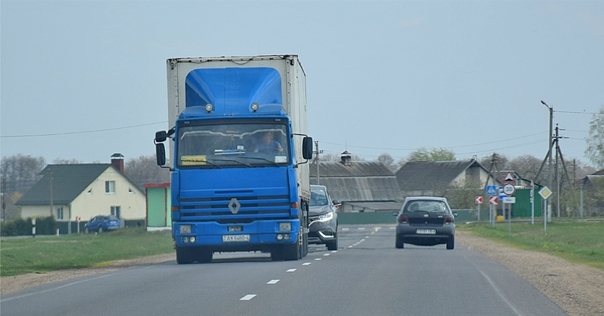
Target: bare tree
(501, 160)
(61, 161)
(595, 139)
(144, 169)
(20, 172)
(388, 161)
(527, 167)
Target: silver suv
(323, 218)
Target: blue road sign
(491, 190)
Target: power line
(450, 147)
(82, 132)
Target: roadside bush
(22, 227)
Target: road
(365, 276)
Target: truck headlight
(185, 229)
(285, 227)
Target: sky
(81, 80)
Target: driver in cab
(267, 144)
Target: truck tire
(204, 256)
(183, 256)
(292, 252)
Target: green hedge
(23, 227)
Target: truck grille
(216, 209)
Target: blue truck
(239, 156)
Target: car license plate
(426, 231)
(235, 238)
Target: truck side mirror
(307, 147)
(160, 154)
(161, 136)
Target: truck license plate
(426, 231)
(235, 238)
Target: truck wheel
(183, 256)
(292, 252)
(204, 256)
(277, 253)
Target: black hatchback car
(425, 221)
(323, 218)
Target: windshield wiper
(234, 160)
(260, 158)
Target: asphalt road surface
(365, 276)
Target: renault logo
(234, 206)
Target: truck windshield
(237, 144)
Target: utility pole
(549, 153)
(3, 199)
(50, 179)
(317, 159)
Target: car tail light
(449, 219)
(403, 219)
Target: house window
(115, 210)
(110, 187)
(59, 212)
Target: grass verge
(44, 253)
(576, 241)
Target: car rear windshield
(426, 206)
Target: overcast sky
(85, 79)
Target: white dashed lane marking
(247, 297)
(271, 282)
(291, 270)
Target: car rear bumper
(440, 235)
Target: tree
(595, 139)
(527, 167)
(20, 173)
(434, 154)
(61, 161)
(144, 169)
(388, 161)
(461, 195)
(501, 161)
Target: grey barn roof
(360, 181)
(424, 175)
(68, 181)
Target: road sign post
(478, 200)
(545, 192)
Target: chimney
(117, 160)
(346, 158)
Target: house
(417, 178)
(361, 186)
(72, 192)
